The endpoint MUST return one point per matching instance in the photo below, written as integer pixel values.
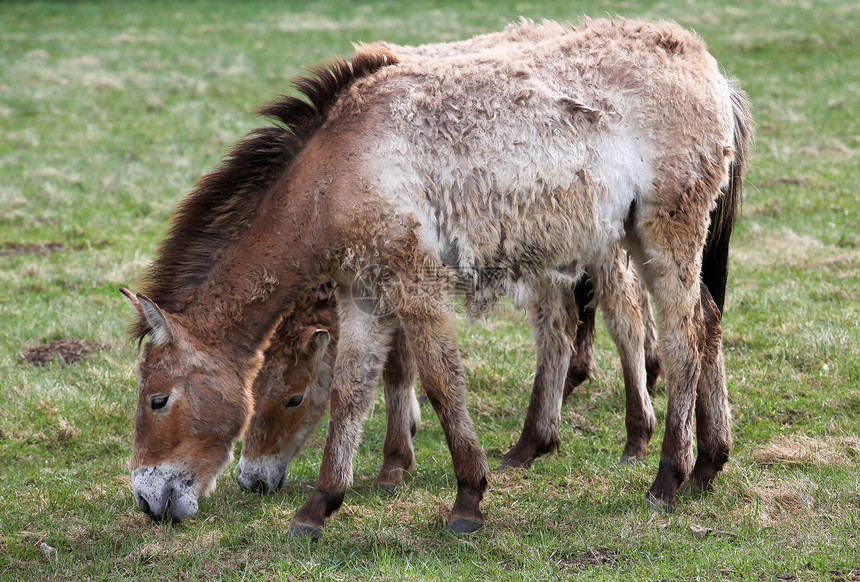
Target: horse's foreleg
(554, 333)
(713, 430)
(427, 322)
(363, 345)
(403, 413)
(616, 288)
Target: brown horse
(531, 164)
(293, 389)
(290, 396)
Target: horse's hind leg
(713, 430)
(577, 305)
(403, 413)
(666, 249)
(653, 367)
(554, 333)
(616, 287)
(362, 348)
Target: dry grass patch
(799, 450)
(798, 504)
(789, 506)
(789, 497)
(763, 249)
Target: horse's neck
(254, 282)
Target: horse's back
(534, 152)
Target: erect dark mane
(221, 207)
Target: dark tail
(715, 260)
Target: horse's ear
(132, 299)
(161, 332)
(159, 327)
(318, 341)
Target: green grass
(109, 111)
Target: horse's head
(291, 392)
(193, 405)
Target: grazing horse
(292, 391)
(531, 164)
(290, 395)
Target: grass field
(109, 111)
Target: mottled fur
(534, 163)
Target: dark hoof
(303, 530)
(628, 461)
(387, 489)
(509, 462)
(459, 526)
(506, 466)
(658, 505)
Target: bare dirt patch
(63, 352)
(591, 559)
(14, 249)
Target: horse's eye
(157, 402)
(294, 401)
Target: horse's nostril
(167, 506)
(260, 486)
(143, 504)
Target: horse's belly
(545, 224)
(526, 211)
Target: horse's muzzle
(260, 477)
(164, 496)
